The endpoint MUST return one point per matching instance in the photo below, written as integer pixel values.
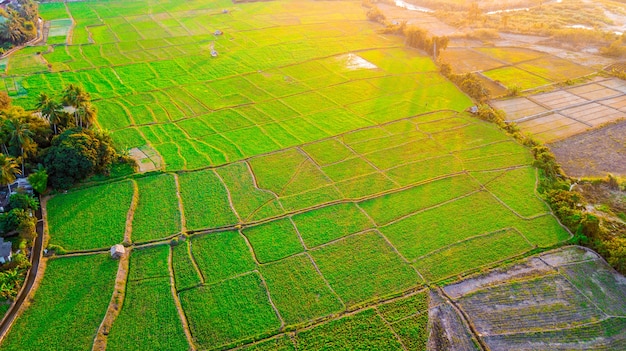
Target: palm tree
(19, 133)
(76, 97)
(86, 114)
(50, 110)
(8, 170)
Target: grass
(65, 313)
(157, 214)
(149, 318)
(298, 290)
(329, 223)
(232, 310)
(362, 331)
(274, 240)
(90, 218)
(205, 200)
(513, 188)
(221, 255)
(282, 343)
(363, 267)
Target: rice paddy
(315, 176)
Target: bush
(39, 180)
(24, 202)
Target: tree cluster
(19, 24)
(468, 83)
(58, 136)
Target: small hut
(213, 53)
(218, 32)
(5, 251)
(117, 251)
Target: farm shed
(117, 251)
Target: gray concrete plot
(518, 108)
(558, 99)
(594, 91)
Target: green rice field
(317, 177)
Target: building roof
(5, 248)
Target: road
(9, 317)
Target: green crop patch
(444, 225)
(221, 255)
(297, 289)
(185, 274)
(330, 223)
(148, 319)
(364, 267)
(404, 307)
(232, 310)
(472, 253)
(387, 208)
(365, 186)
(249, 201)
(413, 331)
(205, 200)
(157, 214)
(149, 263)
(362, 331)
(428, 169)
(348, 169)
(328, 151)
(514, 186)
(513, 76)
(53, 321)
(281, 343)
(274, 240)
(90, 218)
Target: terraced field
(318, 176)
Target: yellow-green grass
(222, 255)
(274, 240)
(298, 290)
(149, 318)
(52, 10)
(157, 214)
(362, 331)
(329, 223)
(364, 267)
(512, 77)
(68, 307)
(223, 313)
(205, 200)
(185, 274)
(90, 218)
(413, 331)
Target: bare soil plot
(595, 153)
(558, 99)
(594, 91)
(465, 60)
(566, 299)
(519, 108)
(594, 114)
(511, 55)
(495, 89)
(618, 103)
(147, 158)
(615, 83)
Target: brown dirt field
(557, 99)
(594, 114)
(495, 90)
(594, 91)
(618, 103)
(594, 154)
(556, 69)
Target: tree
(79, 99)
(86, 113)
(76, 154)
(39, 180)
(8, 170)
(5, 100)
